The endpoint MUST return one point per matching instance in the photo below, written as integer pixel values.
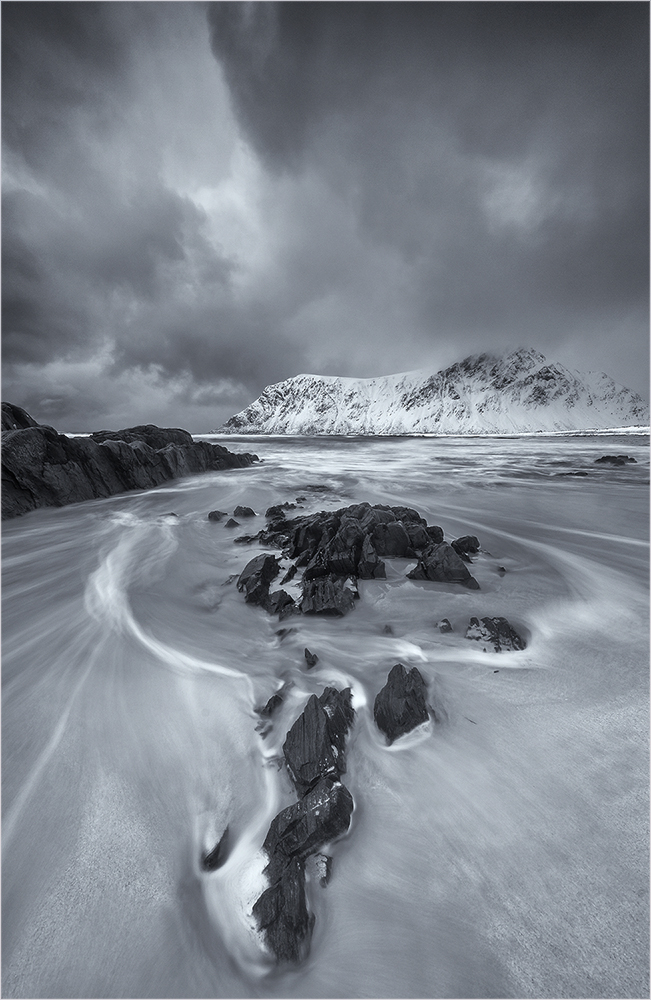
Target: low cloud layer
(200, 200)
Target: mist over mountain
(483, 394)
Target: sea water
(499, 851)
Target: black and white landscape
(350, 697)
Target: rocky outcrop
(314, 752)
(335, 547)
(41, 468)
(495, 632)
(401, 704)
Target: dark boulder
(392, 540)
(278, 510)
(467, 543)
(280, 603)
(310, 658)
(244, 512)
(282, 915)
(217, 515)
(256, 576)
(326, 595)
(614, 460)
(442, 564)
(155, 437)
(495, 632)
(232, 523)
(321, 816)
(309, 749)
(435, 533)
(401, 705)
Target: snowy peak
(483, 394)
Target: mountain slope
(483, 394)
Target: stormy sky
(202, 199)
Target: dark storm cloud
(100, 252)
(500, 150)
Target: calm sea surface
(500, 853)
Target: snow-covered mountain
(483, 394)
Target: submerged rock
(401, 705)
(442, 564)
(614, 460)
(214, 859)
(495, 632)
(310, 658)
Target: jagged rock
(289, 575)
(467, 543)
(614, 460)
(232, 523)
(243, 512)
(495, 632)
(401, 705)
(442, 564)
(256, 577)
(309, 749)
(281, 913)
(321, 816)
(435, 533)
(392, 540)
(310, 658)
(41, 468)
(326, 595)
(272, 705)
(217, 515)
(280, 603)
(214, 859)
(387, 630)
(338, 707)
(278, 510)
(444, 625)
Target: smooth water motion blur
(499, 852)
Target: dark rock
(14, 418)
(214, 859)
(392, 540)
(283, 632)
(435, 533)
(308, 749)
(614, 460)
(465, 544)
(217, 515)
(256, 577)
(41, 468)
(495, 632)
(442, 564)
(387, 630)
(326, 595)
(272, 705)
(245, 539)
(579, 473)
(501, 570)
(231, 523)
(278, 510)
(338, 707)
(401, 705)
(244, 512)
(281, 913)
(321, 816)
(310, 658)
(444, 625)
(280, 603)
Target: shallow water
(502, 852)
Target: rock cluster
(336, 547)
(41, 468)
(314, 752)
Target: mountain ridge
(520, 392)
